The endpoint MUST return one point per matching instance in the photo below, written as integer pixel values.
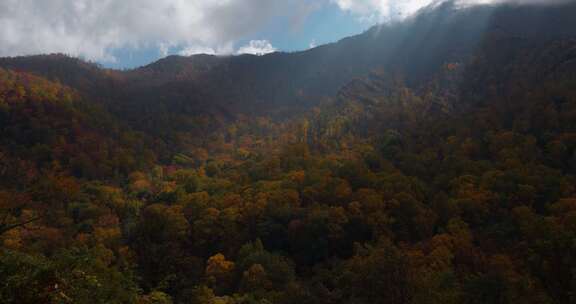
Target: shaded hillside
(53, 128)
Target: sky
(129, 33)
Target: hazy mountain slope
(415, 48)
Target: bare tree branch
(5, 227)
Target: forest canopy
(446, 179)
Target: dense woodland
(449, 182)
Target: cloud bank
(254, 47)
(257, 47)
(390, 10)
(94, 28)
(381, 10)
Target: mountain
(288, 83)
(416, 48)
(431, 160)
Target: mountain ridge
(297, 80)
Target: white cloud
(163, 49)
(312, 44)
(95, 28)
(381, 10)
(390, 10)
(257, 47)
(196, 49)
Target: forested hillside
(428, 161)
